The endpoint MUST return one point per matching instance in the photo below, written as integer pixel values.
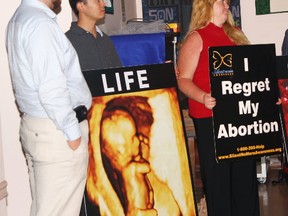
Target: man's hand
(74, 144)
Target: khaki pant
(57, 174)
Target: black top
(93, 53)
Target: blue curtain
(140, 49)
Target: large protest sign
(247, 121)
(138, 161)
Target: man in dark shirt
(94, 48)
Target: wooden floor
(273, 190)
(273, 194)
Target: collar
(78, 30)
(99, 31)
(215, 26)
(40, 5)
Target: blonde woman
(231, 187)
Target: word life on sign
(246, 117)
(129, 79)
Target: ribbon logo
(221, 60)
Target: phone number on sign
(250, 148)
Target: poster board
(170, 11)
(246, 118)
(138, 158)
(179, 11)
(271, 6)
(109, 7)
(236, 12)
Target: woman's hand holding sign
(209, 101)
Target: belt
(81, 113)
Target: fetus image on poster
(130, 146)
(124, 142)
(124, 139)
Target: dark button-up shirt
(93, 53)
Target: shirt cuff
(73, 132)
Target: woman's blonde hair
(202, 12)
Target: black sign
(246, 116)
(135, 127)
(130, 79)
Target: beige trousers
(57, 174)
